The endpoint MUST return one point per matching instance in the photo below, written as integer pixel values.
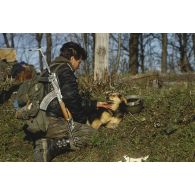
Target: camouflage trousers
(82, 133)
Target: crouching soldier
(56, 139)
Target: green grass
(164, 130)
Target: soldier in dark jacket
(57, 140)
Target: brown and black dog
(109, 118)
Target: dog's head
(117, 101)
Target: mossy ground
(164, 130)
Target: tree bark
(39, 37)
(85, 43)
(184, 62)
(164, 53)
(142, 56)
(116, 66)
(12, 40)
(172, 62)
(93, 57)
(6, 40)
(193, 40)
(133, 53)
(101, 57)
(49, 47)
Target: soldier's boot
(47, 149)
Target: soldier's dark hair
(70, 49)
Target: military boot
(47, 149)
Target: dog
(109, 118)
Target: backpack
(29, 98)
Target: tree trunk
(12, 40)
(193, 40)
(101, 56)
(133, 53)
(6, 40)
(164, 53)
(116, 66)
(142, 56)
(93, 53)
(184, 62)
(85, 43)
(172, 61)
(39, 37)
(49, 47)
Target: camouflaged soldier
(56, 139)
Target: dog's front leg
(96, 124)
(113, 123)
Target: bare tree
(184, 61)
(122, 45)
(116, 65)
(85, 43)
(142, 56)
(133, 53)
(101, 56)
(12, 40)
(49, 47)
(93, 53)
(6, 40)
(164, 53)
(39, 37)
(172, 55)
(193, 40)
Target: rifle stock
(65, 111)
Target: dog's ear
(123, 107)
(123, 99)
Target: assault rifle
(55, 93)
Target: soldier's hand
(104, 105)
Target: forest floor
(164, 130)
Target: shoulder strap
(58, 66)
(54, 68)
